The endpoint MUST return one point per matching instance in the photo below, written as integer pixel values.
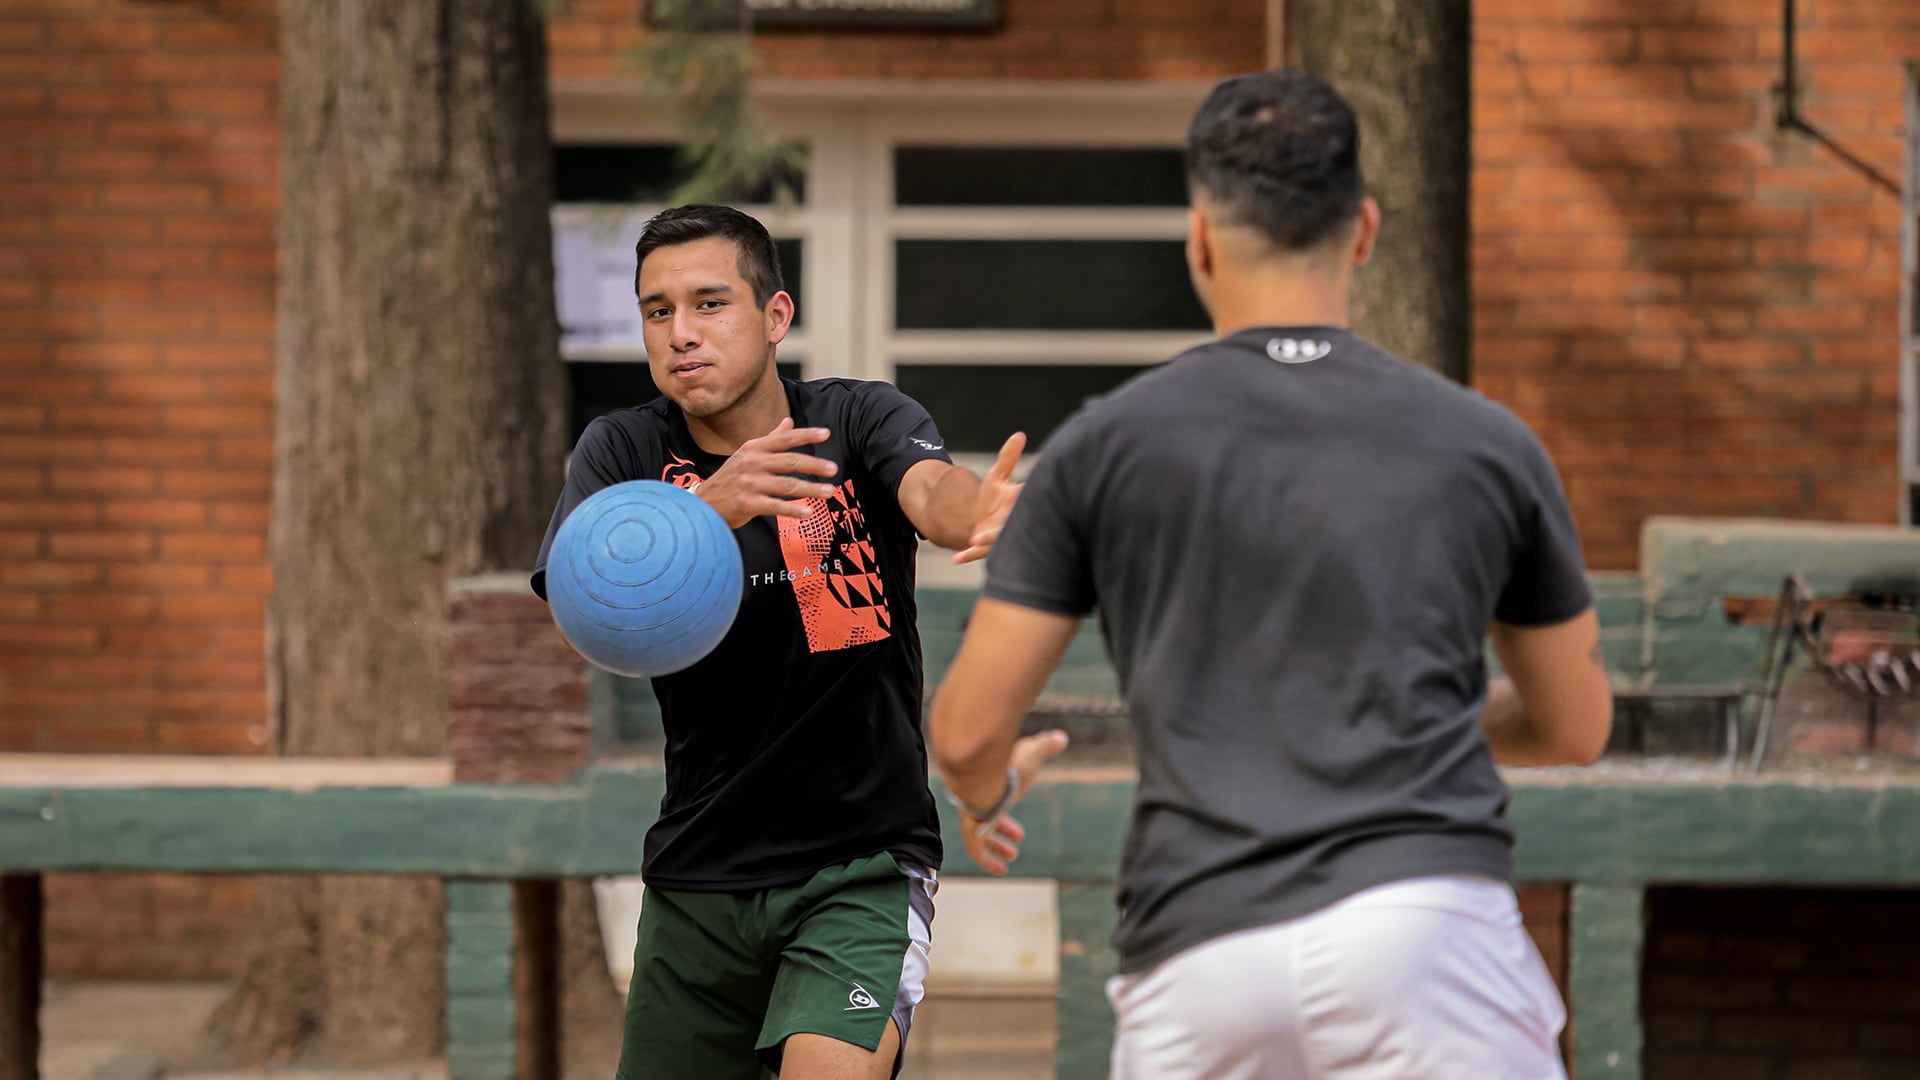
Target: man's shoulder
(652, 418)
(1438, 391)
(836, 389)
(1480, 417)
(861, 408)
(628, 437)
(1140, 397)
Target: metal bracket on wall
(1888, 619)
(1787, 115)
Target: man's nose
(683, 335)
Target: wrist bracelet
(1000, 806)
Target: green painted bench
(1608, 832)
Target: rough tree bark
(1404, 65)
(420, 429)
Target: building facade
(1697, 311)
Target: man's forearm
(951, 509)
(980, 781)
(971, 735)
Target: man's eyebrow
(704, 290)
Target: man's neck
(749, 418)
(1285, 294)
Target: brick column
(518, 714)
(519, 691)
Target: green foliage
(700, 59)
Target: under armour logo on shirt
(1294, 351)
(860, 999)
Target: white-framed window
(1000, 251)
(1020, 268)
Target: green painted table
(1608, 832)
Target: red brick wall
(518, 690)
(1699, 315)
(1758, 984)
(1543, 908)
(138, 191)
(146, 926)
(138, 194)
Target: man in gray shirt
(1298, 545)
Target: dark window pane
(600, 387)
(1024, 176)
(978, 405)
(635, 172)
(643, 172)
(1044, 285)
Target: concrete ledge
(1691, 565)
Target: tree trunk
(419, 437)
(1404, 65)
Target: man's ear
(1367, 233)
(779, 314)
(1200, 252)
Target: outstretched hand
(768, 476)
(993, 846)
(998, 492)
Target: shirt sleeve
(595, 465)
(1548, 580)
(892, 433)
(1042, 559)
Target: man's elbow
(949, 540)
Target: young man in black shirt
(1298, 545)
(790, 875)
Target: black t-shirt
(796, 743)
(1296, 544)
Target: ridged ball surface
(644, 578)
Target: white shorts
(1426, 979)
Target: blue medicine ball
(644, 578)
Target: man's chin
(700, 403)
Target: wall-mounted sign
(593, 284)
(845, 14)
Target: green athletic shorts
(721, 979)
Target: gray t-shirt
(1296, 543)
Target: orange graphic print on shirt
(681, 473)
(836, 574)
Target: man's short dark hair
(1279, 152)
(759, 262)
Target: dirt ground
(133, 1030)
